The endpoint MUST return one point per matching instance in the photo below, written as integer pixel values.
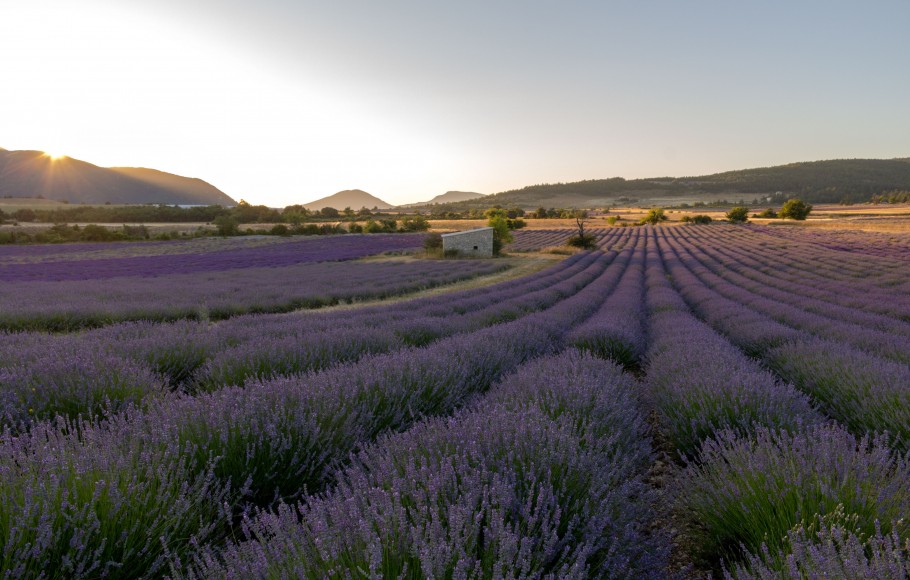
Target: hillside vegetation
(844, 180)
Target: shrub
(738, 215)
(280, 230)
(432, 242)
(768, 213)
(586, 242)
(701, 219)
(501, 233)
(414, 224)
(795, 209)
(654, 217)
(227, 225)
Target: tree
(795, 209)
(582, 239)
(738, 215)
(416, 223)
(768, 213)
(654, 217)
(501, 233)
(227, 225)
(432, 242)
(329, 212)
(698, 219)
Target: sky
(280, 102)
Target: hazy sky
(281, 102)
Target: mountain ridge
(826, 181)
(34, 174)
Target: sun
(54, 156)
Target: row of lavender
(318, 249)
(533, 240)
(770, 487)
(77, 304)
(106, 369)
(20, 254)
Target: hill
(200, 190)
(352, 198)
(849, 180)
(450, 197)
(35, 174)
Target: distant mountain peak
(352, 198)
(450, 197)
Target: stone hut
(477, 242)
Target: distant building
(477, 242)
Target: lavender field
(692, 401)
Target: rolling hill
(352, 198)
(36, 175)
(450, 197)
(850, 180)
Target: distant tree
(738, 215)
(699, 219)
(364, 212)
(582, 239)
(768, 213)
(501, 233)
(96, 233)
(280, 230)
(516, 224)
(329, 212)
(25, 215)
(414, 224)
(654, 217)
(432, 242)
(227, 225)
(348, 212)
(795, 209)
(495, 211)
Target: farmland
(683, 400)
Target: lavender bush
(746, 492)
(89, 500)
(830, 547)
(67, 384)
(865, 393)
